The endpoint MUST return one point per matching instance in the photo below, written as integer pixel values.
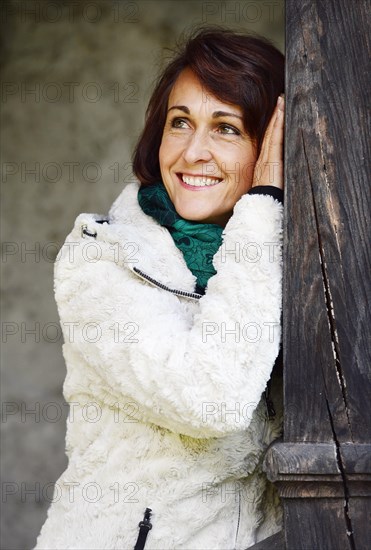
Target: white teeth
(199, 182)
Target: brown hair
(236, 68)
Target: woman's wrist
(271, 190)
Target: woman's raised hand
(269, 166)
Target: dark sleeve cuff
(271, 190)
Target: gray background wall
(76, 77)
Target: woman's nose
(197, 148)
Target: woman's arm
(203, 375)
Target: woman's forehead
(188, 91)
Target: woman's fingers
(269, 166)
(268, 134)
(275, 146)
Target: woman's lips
(197, 182)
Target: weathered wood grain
(327, 254)
(360, 512)
(317, 459)
(322, 468)
(276, 542)
(315, 524)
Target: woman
(171, 312)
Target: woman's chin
(203, 217)
(193, 215)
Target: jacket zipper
(191, 295)
(238, 521)
(140, 273)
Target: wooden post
(323, 466)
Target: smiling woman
(207, 158)
(185, 301)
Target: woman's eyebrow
(216, 114)
(181, 108)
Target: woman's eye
(179, 123)
(228, 129)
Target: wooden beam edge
(310, 470)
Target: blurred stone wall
(76, 76)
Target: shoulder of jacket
(123, 214)
(126, 236)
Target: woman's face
(206, 158)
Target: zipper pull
(147, 517)
(144, 527)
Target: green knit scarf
(197, 241)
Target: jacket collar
(151, 244)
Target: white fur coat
(165, 385)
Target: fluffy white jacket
(165, 386)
